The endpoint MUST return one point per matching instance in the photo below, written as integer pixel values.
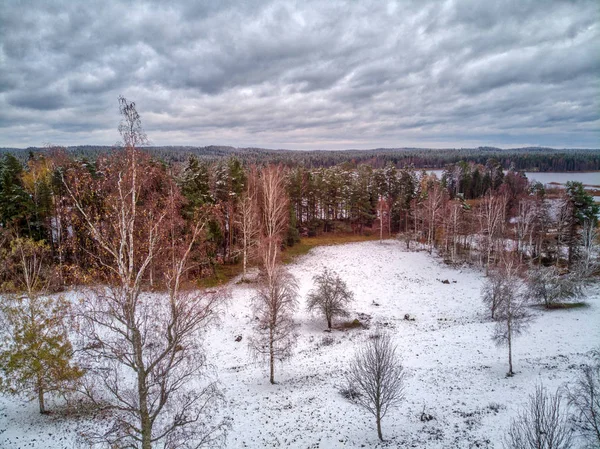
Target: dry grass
(224, 273)
(566, 305)
(354, 324)
(308, 243)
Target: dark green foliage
(522, 159)
(195, 184)
(15, 204)
(578, 207)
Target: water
(586, 178)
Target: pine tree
(37, 358)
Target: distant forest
(521, 159)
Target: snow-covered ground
(454, 372)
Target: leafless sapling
(512, 314)
(276, 298)
(493, 291)
(543, 424)
(330, 296)
(584, 398)
(377, 376)
(274, 304)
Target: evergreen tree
(37, 355)
(581, 207)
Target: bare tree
(542, 425)
(142, 351)
(491, 215)
(493, 291)
(377, 376)
(589, 260)
(276, 298)
(274, 305)
(528, 212)
(274, 215)
(434, 204)
(549, 285)
(512, 314)
(584, 397)
(330, 296)
(248, 220)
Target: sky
(303, 74)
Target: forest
(40, 200)
(129, 222)
(523, 159)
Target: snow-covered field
(454, 372)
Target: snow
(454, 372)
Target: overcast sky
(303, 75)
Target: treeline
(471, 210)
(525, 159)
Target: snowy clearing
(454, 371)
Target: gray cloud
(303, 74)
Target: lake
(586, 178)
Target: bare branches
(584, 397)
(273, 203)
(542, 425)
(142, 350)
(274, 304)
(330, 296)
(551, 286)
(511, 312)
(378, 377)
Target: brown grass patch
(566, 305)
(308, 243)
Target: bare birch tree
(491, 215)
(377, 376)
(274, 305)
(589, 260)
(142, 351)
(434, 204)
(248, 220)
(513, 316)
(276, 297)
(274, 215)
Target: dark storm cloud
(303, 74)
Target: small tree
(331, 296)
(493, 291)
(512, 315)
(548, 284)
(38, 353)
(274, 305)
(377, 376)
(542, 425)
(584, 397)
